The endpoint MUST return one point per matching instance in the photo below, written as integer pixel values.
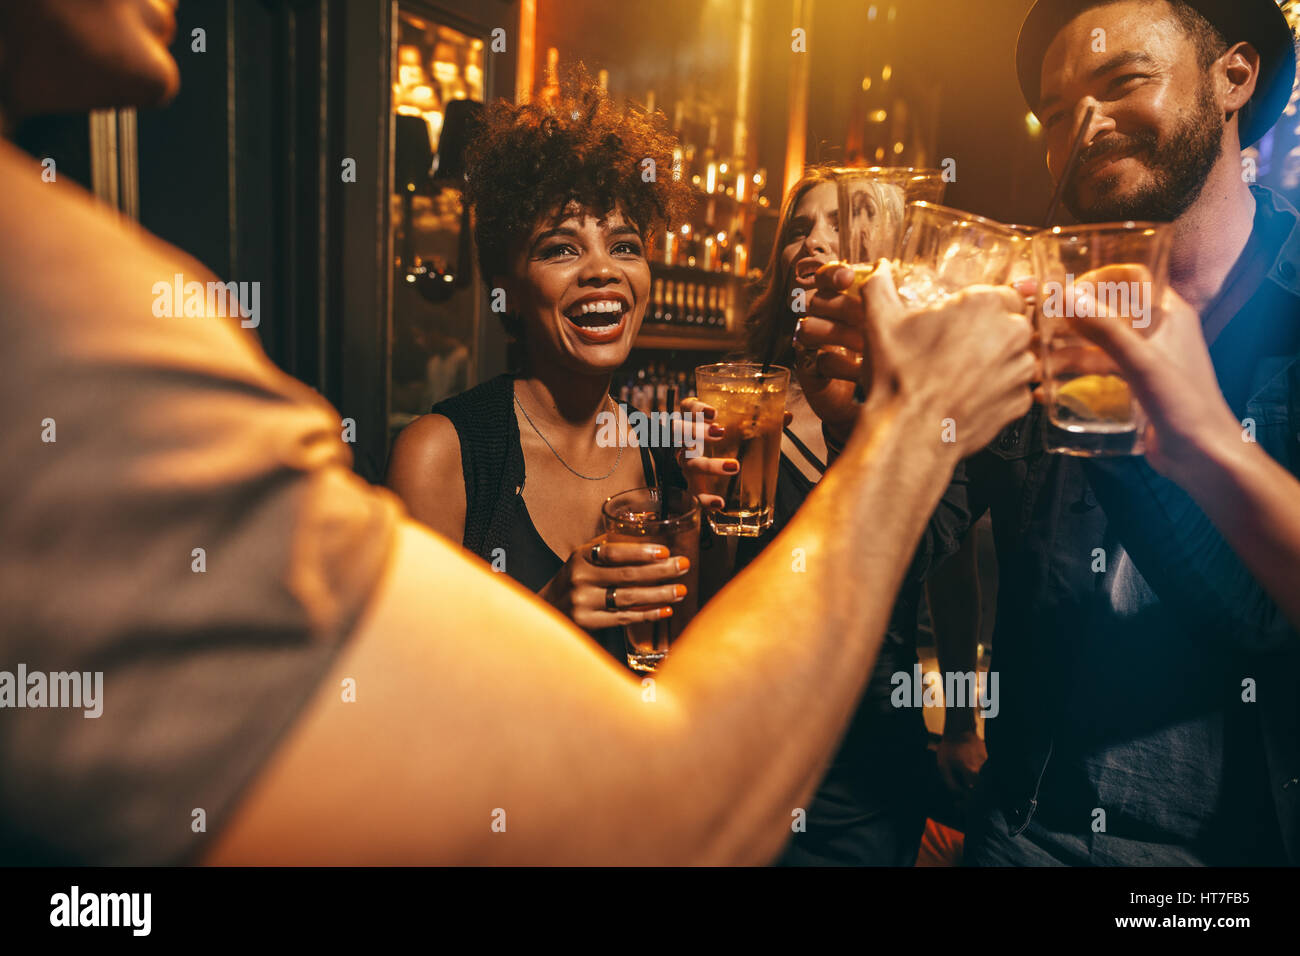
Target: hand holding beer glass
(966, 356)
(872, 201)
(941, 255)
(638, 517)
(944, 250)
(1118, 270)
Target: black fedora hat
(1259, 22)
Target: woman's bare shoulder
(424, 470)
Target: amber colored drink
(750, 407)
(635, 516)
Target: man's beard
(1178, 167)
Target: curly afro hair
(529, 162)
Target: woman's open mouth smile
(599, 318)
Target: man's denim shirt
(1140, 664)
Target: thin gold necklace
(617, 461)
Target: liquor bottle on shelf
(666, 313)
(671, 245)
(739, 259)
(692, 308)
(657, 302)
(681, 303)
(689, 255)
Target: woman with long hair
(869, 809)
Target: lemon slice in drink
(1096, 397)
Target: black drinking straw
(659, 473)
(769, 355)
(1069, 168)
(662, 631)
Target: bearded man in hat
(1149, 711)
(1148, 697)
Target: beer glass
(871, 202)
(943, 250)
(750, 406)
(1114, 269)
(1022, 260)
(635, 516)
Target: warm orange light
(525, 62)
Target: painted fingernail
(659, 552)
(716, 431)
(709, 413)
(665, 612)
(683, 564)
(731, 467)
(679, 590)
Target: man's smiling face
(1158, 125)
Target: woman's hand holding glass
(829, 346)
(611, 583)
(699, 431)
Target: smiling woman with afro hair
(566, 197)
(527, 163)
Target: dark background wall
(243, 171)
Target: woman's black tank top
(498, 527)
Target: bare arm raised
(501, 709)
(178, 442)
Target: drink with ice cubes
(750, 406)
